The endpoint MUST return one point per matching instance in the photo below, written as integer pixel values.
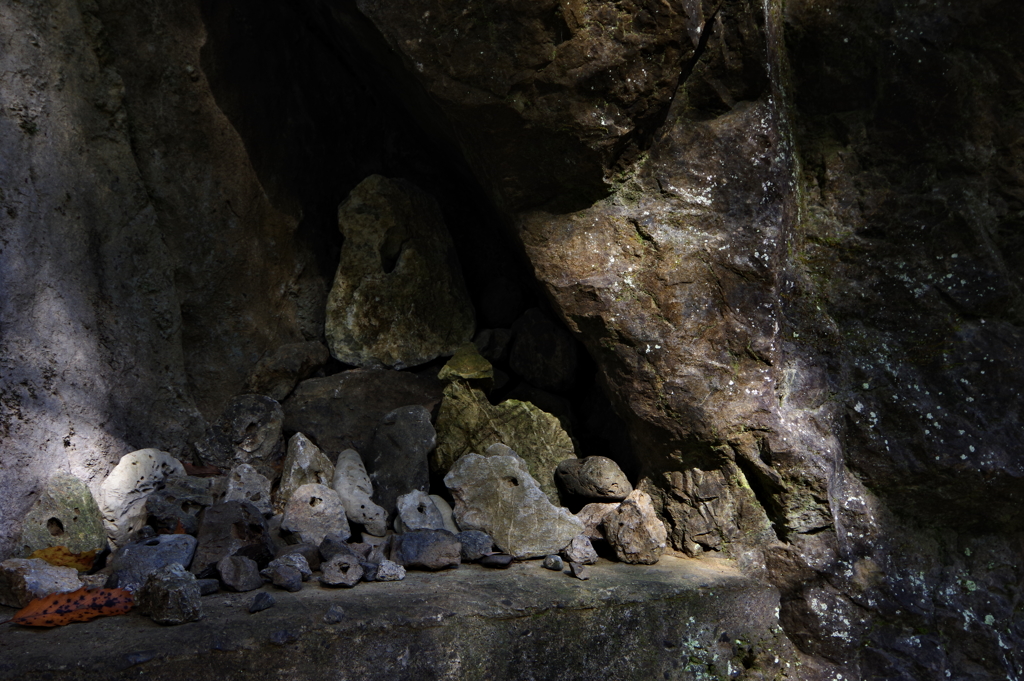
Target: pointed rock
(353, 486)
(313, 512)
(635, 531)
(304, 464)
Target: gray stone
(171, 596)
(179, 500)
(353, 485)
(475, 544)
(304, 464)
(23, 579)
(592, 516)
(427, 550)
(333, 544)
(249, 431)
(497, 495)
(208, 586)
(313, 512)
(283, 576)
(634, 530)
(334, 615)
(245, 483)
(260, 602)
(497, 560)
(124, 492)
(416, 511)
(553, 562)
(239, 573)
(447, 514)
(294, 561)
(389, 571)
(543, 351)
(279, 540)
(397, 457)
(581, 551)
(234, 528)
(310, 552)
(133, 563)
(596, 477)
(341, 570)
(579, 571)
(342, 411)
(398, 299)
(277, 373)
(467, 422)
(65, 514)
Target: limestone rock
(277, 374)
(416, 511)
(398, 299)
(65, 514)
(124, 492)
(304, 464)
(475, 544)
(447, 515)
(313, 512)
(543, 351)
(249, 431)
(592, 516)
(581, 551)
(355, 489)
(427, 550)
(634, 530)
(397, 458)
(133, 563)
(180, 500)
(469, 365)
(342, 411)
(171, 596)
(497, 495)
(245, 483)
(234, 528)
(389, 571)
(23, 579)
(596, 477)
(341, 570)
(239, 573)
(467, 422)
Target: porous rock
(313, 512)
(596, 477)
(398, 299)
(353, 485)
(467, 422)
(581, 551)
(304, 464)
(497, 495)
(124, 492)
(592, 516)
(397, 456)
(343, 569)
(65, 514)
(23, 579)
(249, 431)
(234, 528)
(277, 373)
(417, 511)
(239, 573)
(635, 531)
(179, 501)
(171, 596)
(133, 563)
(427, 550)
(245, 483)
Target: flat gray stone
(417, 511)
(171, 596)
(353, 485)
(427, 550)
(23, 579)
(304, 464)
(635, 531)
(596, 477)
(313, 512)
(65, 514)
(397, 457)
(133, 563)
(497, 495)
(124, 491)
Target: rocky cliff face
(787, 233)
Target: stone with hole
(313, 512)
(417, 511)
(245, 483)
(126, 488)
(304, 464)
(65, 514)
(353, 485)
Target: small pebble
(334, 614)
(579, 571)
(261, 601)
(553, 563)
(496, 560)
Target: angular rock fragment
(635, 531)
(497, 495)
(249, 431)
(24, 579)
(245, 483)
(124, 492)
(592, 516)
(398, 299)
(133, 563)
(497, 560)
(579, 571)
(417, 511)
(341, 570)
(355, 489)
(234, 528)
(313, 512)
(427, 550)
(304, 464)
(469, 365)
(389, 571)
(171, 596)
(447, 514)
(176, 505)
(261, 601)
(596, 477)
(238, 573)
(467, 422)
(293, 561)
(397, 458)
(283, 577)
(475, 545)
(333, 544)
(310, 552)
(277, 374)
(65, 514)
(581, 551)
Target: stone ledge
(679, 619)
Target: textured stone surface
(596, 477)
(295, 561)
(343, 569)
(133, 563)
(592, 516)
(417, 511)
(249, 431)
(239, 573)
(245, 483)
(497, 495)
(469, 365)
(398, 299)
(304, 464)
(23, 579)
(475, 544)
(124, 492)
(171, 596)
(313, 512)
(397, 456)
(277, 373)
(180, 500)
(234, 528)
(353, 485)
(581, 551)
(341, 412)
(65, 514)
(447, 513)
(427, 550)
(389, 571)
(467, 422)
(635, 531)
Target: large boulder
(398, 298)
(497, 495)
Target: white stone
(245, 483)
(418, 512)
(124, 492)
(304, 464)
(353, 485)
(313, 512)
(446, 513)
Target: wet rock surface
(127, 487)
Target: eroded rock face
(65, 514)
(249, 431)
(304, 464)
(398, 298)
(126, 488)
